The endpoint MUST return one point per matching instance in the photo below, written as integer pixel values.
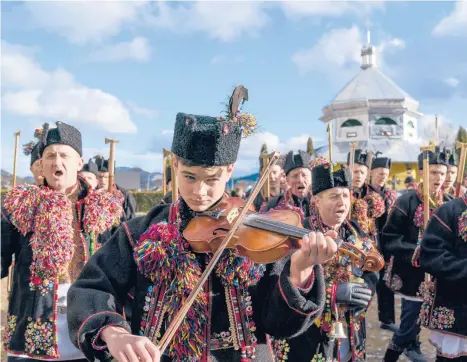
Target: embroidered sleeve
(438, 254)
(98, 344)
(96, 299)
(287, 310)
(10, 244)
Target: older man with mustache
(298, 176)
(344, 290)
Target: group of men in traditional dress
(91, 281)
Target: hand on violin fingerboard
(317, 248)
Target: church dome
(371, 84)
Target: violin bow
(178, 319)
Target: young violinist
(241, 302)
(339, 333)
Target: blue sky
(124, 69)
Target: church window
(385, 121)
(410, 124)
(351, 123)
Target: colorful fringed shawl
(166, 259)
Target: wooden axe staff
(330, 141)
(369, 163)
(111, 162)
(165, 155)
(426, 188)
(13, 182)
(15, 158)
(460, 172)
(168, 154)
(353, 147)
(426, 181)
(266, 190)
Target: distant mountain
(6, 181)
(149, 180)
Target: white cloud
(391, 44)
(137, 49)
(251, 146)
(83, 22)
(453, 82)
(141, 111)
(218, 59)
(447, 130)
(336, 49)
(454, 24)
(296, 9)
(31, 91)
(225, 21)
(299, 9)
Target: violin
(264, 238)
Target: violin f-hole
(216, 231)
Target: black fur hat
(323, 178)
(435, 158)
(33, 148)
(451, 157)
(281, 161)
(409, 179)
(300, 160)
(361, 158)
(101, 163)
(91, 166)
(63, 134)
(206, 140)
(381, 162)
(35, 155)
(213, 141)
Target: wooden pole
(111, 162)
(426, 190)
(436, 131)
(165, 155)
(426, 181)
(330, 141)
(370, 163)
(174, 183)
(15, 158)
(461, 167)
(353, 147)
(266, 190)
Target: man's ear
(230, 169)
(316, 200)
(175, 163)
(80, 164)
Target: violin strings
(276, 226)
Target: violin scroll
(374, 262)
